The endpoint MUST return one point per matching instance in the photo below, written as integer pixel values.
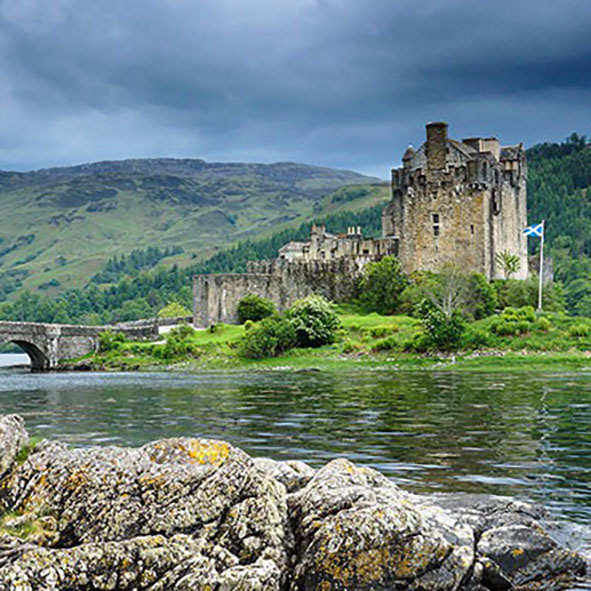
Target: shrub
(248, 325)
(482, 297)
(255, 308)
(381, 285)
(517, 293)
(579, 330)
(314, 320)
(544, 324)
(178, 343)
(110, 341)
(444, 332)
(513, 321)
(379, 331)
(476, 338)
(181, 332)
(390, 343)
(273, 336)
(420, 342)
(350, 347)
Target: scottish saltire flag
(536, 231)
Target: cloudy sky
(343, 83)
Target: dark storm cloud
(337, 82)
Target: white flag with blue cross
(536, 231)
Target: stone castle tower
(460, 202)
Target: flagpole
(541, 273)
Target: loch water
(525, 435)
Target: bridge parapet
(48, 344)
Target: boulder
(13, 439)
(193, 514)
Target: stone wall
(461, 202)
(48, 344)
(216, 297)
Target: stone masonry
(459, 202)
(48, 344)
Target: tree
(509, 262)
(381, 285)
(449, 290)
(174, 310)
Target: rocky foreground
(200, 515)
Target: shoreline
(304, 361)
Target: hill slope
(59, 226)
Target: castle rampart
(459, 202)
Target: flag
(536, 231)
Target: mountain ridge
(60, 225)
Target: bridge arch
(39, 361)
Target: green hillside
(58, 227)
(126, 283)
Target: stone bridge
(48, 344)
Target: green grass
(373, 341)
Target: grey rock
(192, 514)
(293, 474)
(13, 438)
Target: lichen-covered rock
(198, 515)
(13, 438)
(206, 489)
(293, 474)
(357, 530)
(513, 548)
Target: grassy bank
(505, 342)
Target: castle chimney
(436, 145)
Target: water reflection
(520, 435)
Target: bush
(350, 347)
(519, 293)
(314, 320)
(514, 321)
(110, 341)
(178, 343)
(255, 308)
(579, 330)
(273, 336)
(444, 333)
(381, 285)
(476, 338)
(390, 343)
(544, 324)
(420, 342)
(482, 297)
(378, 332)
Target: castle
(452, 201)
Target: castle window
(472, 229)
(436, 227)
(484, 169)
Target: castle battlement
(452, 201)
(458, 201)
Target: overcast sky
(343, 83)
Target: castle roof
(409, 154)
(465, 149)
